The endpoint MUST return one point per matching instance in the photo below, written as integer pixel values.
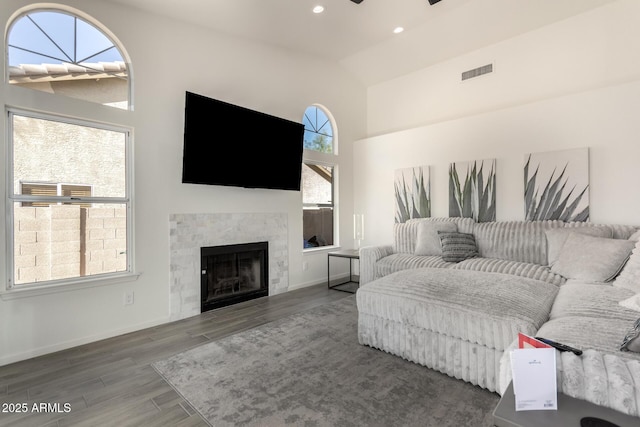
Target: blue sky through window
(54, 37)
(316, 124)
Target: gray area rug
(309, 370)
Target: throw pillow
(428, 241)
(557, 236)
(457, 247)
(629, 277)
(631, 341)
(632, 303)
(593, 259)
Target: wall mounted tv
(225, 144)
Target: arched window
(58, 52)
(318, 130)
(318, 178)
(69, 199)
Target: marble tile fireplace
(188, 233)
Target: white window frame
(28, 101)
(332, 205)
(332, 160)
(13, 199)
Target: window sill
(329, 248)
(62, 286)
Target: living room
(569, 82)
(165, 64)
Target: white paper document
(534, 378)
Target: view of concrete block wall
(59, 242)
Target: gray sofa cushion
(397, 262)
(620, 231)
(516, 268)
(485, 308)
(592, 300)
(592, 259)
(428, 241)
(405, 234)
(523, 241)
(587, 332)
(557, 237)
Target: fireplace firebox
(233, 273)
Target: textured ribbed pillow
(428, 241)
(631, 341)
(457, 247)
(557, 236)
(593, 259)
(629, 278)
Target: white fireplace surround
(189, 232)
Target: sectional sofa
(452, 295)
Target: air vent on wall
(476, 72)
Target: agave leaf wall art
(472, 190)
(412, 190)
(556, 185)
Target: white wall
(169, 58)
(575, 83)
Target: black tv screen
(225, 144)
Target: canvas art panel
(472, 190)
(412, 189)
(556, 185)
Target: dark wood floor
(111, 382)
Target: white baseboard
(18, 357)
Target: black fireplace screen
(233, 273)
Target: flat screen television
(225, 144)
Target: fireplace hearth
(233, 273)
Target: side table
(569, 413)
(350, 254)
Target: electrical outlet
(305, 266)
(128, 298)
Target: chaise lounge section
(553, 279)
(457, 322)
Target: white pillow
(428, 241)
(557, 236)
(594, 259)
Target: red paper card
(525, 341)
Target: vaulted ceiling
(361, 37)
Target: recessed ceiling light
(318, 9)
(398, 30)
